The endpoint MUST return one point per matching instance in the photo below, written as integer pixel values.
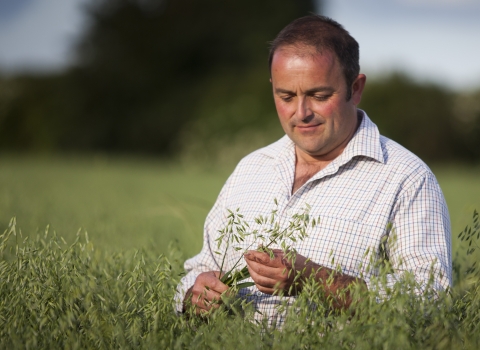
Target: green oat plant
(270, 233)
(58, 295)
(55, 295)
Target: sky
(38, 34)
(434, 40)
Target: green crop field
(120, 203)
(128, 203)
(101, 292)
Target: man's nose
(304, 110)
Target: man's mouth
(309, 127)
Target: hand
(277, 274)
(206, 292)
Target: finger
(207, 295)
(202, 309)
(200, 306)
(255, 256)
(275, 273)
(196, 301)
(278, 288)
(207, 305)
(218, 286)
(206, 301)
(211, 280)
(262, 281)
(263, 258)
(267, 276)
(215, 284)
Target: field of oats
(96, 247)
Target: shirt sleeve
(420, 239)
(206, 260)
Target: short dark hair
(321, 33)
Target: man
(363, 186)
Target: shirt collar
(364, 143)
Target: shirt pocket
(349, 246)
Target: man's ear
(357, 88)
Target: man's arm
(420, 239)
(279, 274)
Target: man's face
(310, 96)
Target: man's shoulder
(266, 155)
(402, 161)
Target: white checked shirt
(374, 182)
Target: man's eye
(286, 98)
(321, 97)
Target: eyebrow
(308, 92)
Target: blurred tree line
(190, 78)
(432, 121)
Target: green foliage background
(150, 76)
(190, 79)
(430, 120)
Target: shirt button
(290, 212)
(259, 294)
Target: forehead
(305, 61)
